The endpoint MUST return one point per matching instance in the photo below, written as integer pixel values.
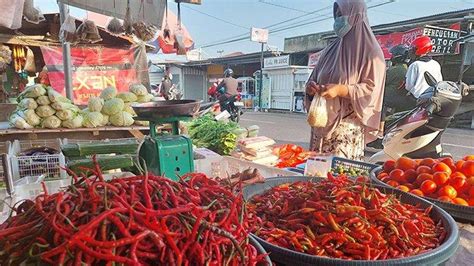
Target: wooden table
(9, 134)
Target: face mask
(341, 26)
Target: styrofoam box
(227, 166)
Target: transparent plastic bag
(67, 32)
(318, 113)
(30, 64)
(31, 13)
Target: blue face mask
(341, 26)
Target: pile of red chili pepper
(340, 218)
(140, 220)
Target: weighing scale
(164, 154)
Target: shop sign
(278, 61)
(93, 69)
(259, 35)
(442, 39)
(313, 59)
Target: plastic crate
(226, 166)
(3, 160)
(48, 165)
(351, 164)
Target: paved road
(292, 128)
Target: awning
(150, 11)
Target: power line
(214, 17)
(282, 6)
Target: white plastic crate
(48, 165)
(227, 166)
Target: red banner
(93, 69)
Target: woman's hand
(335, 90)
(312, 88)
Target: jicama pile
(343, 219)
(140, 220)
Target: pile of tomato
(442, 179)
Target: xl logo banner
(93, 69)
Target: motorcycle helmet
(399, 53)
(422, 45)
(228, 73)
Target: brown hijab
(355, 60)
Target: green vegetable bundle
(217, 136)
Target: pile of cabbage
(112, 108)
(43, 107)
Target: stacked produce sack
(43, 107)
(112, 108)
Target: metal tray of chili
(459, 212)
(305, 227)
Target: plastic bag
(31, 13)
(67, 32)
(127, 21)
(11, 13)
(318, 113)
(115, 27)
(88, 32)
(30, 64)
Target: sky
(220, 20)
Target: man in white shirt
(415, 79)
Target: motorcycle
(232, 105)
(417, 133)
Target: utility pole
(260, 81)
(63, 12)
(260, 36)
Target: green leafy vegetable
(214, 135)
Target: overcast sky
(220, 20)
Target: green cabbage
(127, 97)
(145, 98)
(55, 96)
(28, 103)
(95, 104)
(138, 89)
(105, 120)
(122, 119)
(92, 119)
(66, 114)
(45, 111)
(30, 117)
(32, 91)
(113, 106)
(51, 122)
(19, 122)
(64, 106)
(108, 93)
(43, 100)
(75, 122)
(128, 108)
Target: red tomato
(442, 167)
(388, 166)
(423, 177)
(460, 201)
(448, 191)
(417, 192)
(403, 188)
(428, 162)
(409, 185)
(382, 175)
(470, 180)
(398, 175)
(457, 180)
(471, 202)
(393, 183)
(440, 178)
(468, 168)
(385, 179)
(423, 169)
(445, 199)
(428, 187)
(469, 157)
(449, 162)
(405, 163)
(410, 175)
(459, 165)
(470, 192)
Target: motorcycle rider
(415, 80)
(166, 84)
(395, 97)
(228, 86)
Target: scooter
(417, 134)
(232, 105)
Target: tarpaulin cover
(93, 69)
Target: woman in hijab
(350, 74)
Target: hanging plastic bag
(67, 32)
(127, 21)
(145, 32)
(30, 64)
(114, 26)
(88, 32)
(11, 13)
(318, 113)
(31, 13)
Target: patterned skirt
(346, 141)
